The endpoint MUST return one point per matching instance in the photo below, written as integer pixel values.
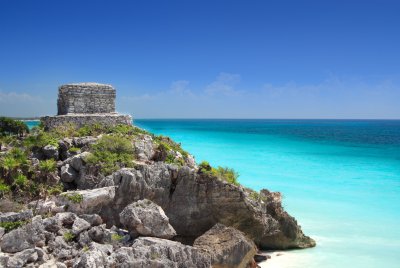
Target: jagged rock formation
(219, 223)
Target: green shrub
(165, 143)
(223, 173)
(11, 225)
(116, 237)
(66, 130)
(19, 155)
(41, 139)
(21, 180)
(74, 150)
(9, 163)
(55, 190)
(10, 126)
(227, 174)
(205, 167)
(68, 236)
(48, 166)
(74, 197)
(4, 188)
(111, 153)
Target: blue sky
(206, 59)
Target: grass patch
(223, 173)
(74, 150)
(74, 197)
(11, 225)
(116, 237)
(68, 236)
(48, 166)
(111, 153)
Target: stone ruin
(86, 104)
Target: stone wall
(86, 98)
(80, 120)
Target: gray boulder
(227, 247)
(146, 218)
(68, 173)
(93, 219)
(144, 148)
(87, 201)
(27, 236)
(50, 151)
(79, 226)
(21, 258)
(16, 216)
(160, 253)
(93, 258)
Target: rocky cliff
(130, 198)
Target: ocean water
(340, 179)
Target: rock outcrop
(128, 218)
(227, 247)
(146, 218)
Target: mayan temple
(85, 104)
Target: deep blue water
(339, 178)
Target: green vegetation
(116, 237)
(74, 198)
(111, 153)
(55, 190)
(68, 236)
(4, 188)
(97, 129)
(40, 138)
(85, 248)
(48, 166)
(223, 173)
(21, 180)
(74, 150)
(165, 143)
(11, 225)
(9, 126)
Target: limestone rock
(161, 253)
(24, 237)
(93, 258)
(87, 201)
(290, 234)
(144, 148)
(77, 161)
(93, 219)
(21, 258)
(50, 151)
(146, 218)
(100, 234)
(227, 247)
(16, 216)
(79, 226)
(68, 173)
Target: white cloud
(25, 105)
(224, 84)
(334, 97)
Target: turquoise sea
(339, 178)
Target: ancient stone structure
(84, 104)
(86, 98)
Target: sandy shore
(285, 259)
